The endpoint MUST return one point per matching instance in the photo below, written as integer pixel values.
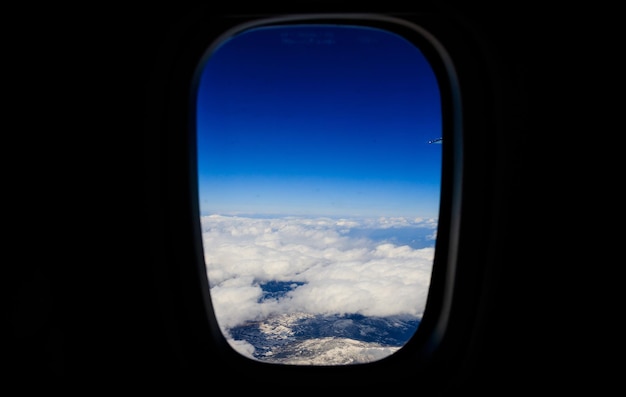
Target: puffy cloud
(333, 269)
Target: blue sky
(325, 120)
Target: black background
(82, 308)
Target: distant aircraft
(438, 140)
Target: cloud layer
(326, 267)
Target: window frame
(434, 322)
(192, 337)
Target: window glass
(319, 170)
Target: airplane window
(319, 157)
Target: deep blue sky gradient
(326, 120)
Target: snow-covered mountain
(305, 339)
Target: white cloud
(242, 347)
(340, 274)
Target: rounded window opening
(319, 159)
